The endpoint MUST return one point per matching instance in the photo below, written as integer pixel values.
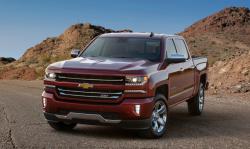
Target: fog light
(137, 109)
(134, 80)
(44, 102)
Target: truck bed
(201, 63)
(199, 60)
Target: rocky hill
(33, 62)
(221, 36)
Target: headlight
(136, 80)
(50, 75)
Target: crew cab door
(181, 74)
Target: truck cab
(130, 80)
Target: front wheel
(196, 104)
(159, 119)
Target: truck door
(186, 75)
(181, 75)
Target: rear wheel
(159, 118)
(62, 125)
(196, 104)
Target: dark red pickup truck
(129, 80)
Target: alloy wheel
(201, 98)
(159, 117)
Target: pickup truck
(129, 80)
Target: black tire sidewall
(193, 104)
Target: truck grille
(116, 80)
(89, 94)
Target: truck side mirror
(175, 59)
(74, 53)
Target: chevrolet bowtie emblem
(85, 85)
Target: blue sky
(25, 23)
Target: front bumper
(83, 118)
(123, 114)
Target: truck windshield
(124, 47)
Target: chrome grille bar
(95, 94)
(88, 96)
(89, 92)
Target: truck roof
(136, 34)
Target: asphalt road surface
(225, 123)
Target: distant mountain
(6, 60)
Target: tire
(61, 126)
(196, 104)
(159, 119)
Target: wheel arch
(162, 89)
(203, 79)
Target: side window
(170, 48)
(181, 47)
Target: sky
(25, 23)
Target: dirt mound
(24, 73)
(231, 76)
(33, 62)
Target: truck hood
(110, 64)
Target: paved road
(224, 124)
